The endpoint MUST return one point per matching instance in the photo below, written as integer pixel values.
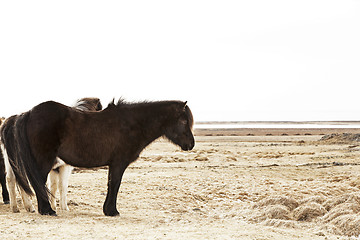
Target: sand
(228, 187)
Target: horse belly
(79, 156)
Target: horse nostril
(188, 147)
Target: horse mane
(123, 103)
(120, 101)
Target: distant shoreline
(274, 128)
(279, 122)
(272, 131)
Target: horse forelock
(189, 116)
(182, 108)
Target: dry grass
(288, 202)
(348, 225)
(308, 211)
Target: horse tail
(26, 159)
(9, 151)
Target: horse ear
(99, 105)
(185, 104)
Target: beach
(250, 183)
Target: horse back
(89, 138)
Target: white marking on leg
(26, 200)
(64, 174)
(53, 183)
(10, 181)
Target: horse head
(180, 130)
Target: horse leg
(64, 174)
(10, 181)
(11, 184)
(53, 184)
(114, 181)
(5, 193)
(44, 207)
(26, 200)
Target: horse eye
(184, 122)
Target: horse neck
(150, 121)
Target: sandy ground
(228, 187)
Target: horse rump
(10, 149)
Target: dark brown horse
(62, 170)
(5, 193)
(113, 137)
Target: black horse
(5, 193)
(113, 137)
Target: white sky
(231, 60)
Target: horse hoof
(53, 214)
(112, 213)
(6, 202)
(50, 213)
(30, 210)
(65, 209)
(15, 210)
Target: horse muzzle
(188, 147)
